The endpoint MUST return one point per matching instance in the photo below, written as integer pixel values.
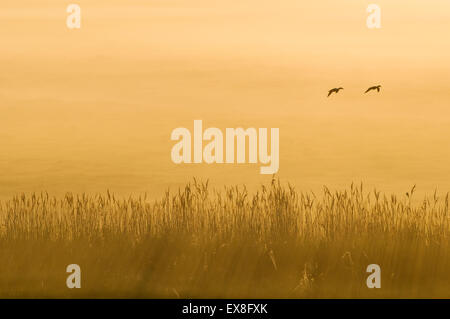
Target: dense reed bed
(203, 242)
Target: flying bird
(377, 87)
(335, 90)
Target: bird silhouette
(377, 87)
(335, 90)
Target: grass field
(203, 242)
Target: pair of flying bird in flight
(336, 90)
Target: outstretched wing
(329, 93)
(368, 89)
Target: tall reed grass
(204, 242)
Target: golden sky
(90, 109)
